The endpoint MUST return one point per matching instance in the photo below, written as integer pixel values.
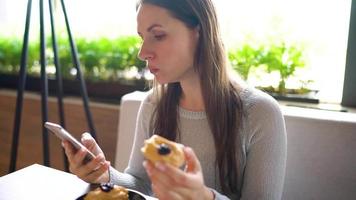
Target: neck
(192, 98)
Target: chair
(321, 161)
(129, 106)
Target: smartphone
(60, 132)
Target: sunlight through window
(320, 27)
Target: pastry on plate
(108, 191)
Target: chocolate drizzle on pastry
(106, 187)
(164, 149)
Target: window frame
(349, 91)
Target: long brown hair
(223, 105)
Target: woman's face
(168, 44)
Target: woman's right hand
(94, 171)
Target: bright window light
(321, 26)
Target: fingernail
(86, 136)
(149, 173)
(147, 165)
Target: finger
(74, 156)
(68, 149)
(148, 167)
(79, 156)
(71, 154)
(192, 162)
(152, 172)
(156, 175)
(163, 181)
(95, 163)
(164, 173)
(76, 162)
(172, 174)
(91, 166)
(90, 143)
(96, 175)
(165, 194)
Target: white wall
(321, 162)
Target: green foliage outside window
(106, 59)
(280, 57)
(283, 59)
(100, 59)
(245, 58)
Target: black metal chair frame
(44, 83)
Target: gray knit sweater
(262, 157)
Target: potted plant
(245, 58)
(286, 59)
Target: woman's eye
(159, 37)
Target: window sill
(320, 111)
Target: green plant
(285, 59)
(65, 57)
(90, 55)
(101, 58)
(10, 54)
(244, 58)
(124, 54)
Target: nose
(145, 54)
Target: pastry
(158, 148)
(108, 191)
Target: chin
(160, 81)
(164, 81)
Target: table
(37, 182)
(40, 182)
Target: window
(349, 93)
(321, 26)
(87, 17)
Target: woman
(234, 135)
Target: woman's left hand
(171, 183)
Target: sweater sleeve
(135, 176)
(218, 196)
(266, 150)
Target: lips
(153, 70)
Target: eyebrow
(151, 27)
